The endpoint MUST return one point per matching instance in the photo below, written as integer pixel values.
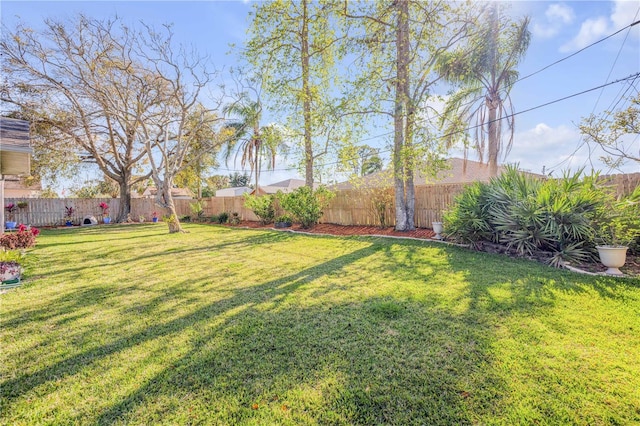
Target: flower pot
(282, 224)
(68, 223)
(437, 228)
(106, 220)
(10, 271)
(10, 225)
(155, 219)
(613, 257)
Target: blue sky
(545, 137)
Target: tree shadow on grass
(373, 362)
(23, 383)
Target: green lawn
(131, 325)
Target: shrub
(468, 221)
(381, 201)
(197, 209)
(306, 205)
(213, 218)
(235, 218)
(20, 240)
(262, 206)
(529, 215)
(619, 222)
(223, 217)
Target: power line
(579, 51)
(518, 80)
(615, 61)
(630, 77)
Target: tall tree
(83, 80)
(402, 42)
(253, 141)
(485, 70)
(293, 45)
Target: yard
(127, 324)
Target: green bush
(235, 218)
(262, 206)
(619, 222)
(529, 215)
(197, 209)
(223, 217)
(306, 205)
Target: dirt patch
(631, 268)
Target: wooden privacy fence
(348, 207)
(52, 212)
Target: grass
(130, 325)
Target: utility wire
(518, 80)
(615, 61)
(630, 77)
(579, 51)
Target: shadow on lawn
(381, 359)
(378, 359)
(12, 388)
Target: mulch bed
(631, 268)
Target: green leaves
(262, 206)
(530, 216)
(306, 205)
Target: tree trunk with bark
(306, 103)
(403, 176)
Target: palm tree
(253, 141)
(485, 70)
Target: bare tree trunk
(125, 202)
(173, 222)
(493, 140)
(410, 202)
(165, 200)
(400, 117)
(306, 102)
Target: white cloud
(557, 15)
(543, 146)
(624, 12)
(592, 29)
(560, 12)
(556, 149)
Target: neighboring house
(285, 186)
(236, 191)
(15, 147)
(17, 188)
(456, 172)
(176, 193)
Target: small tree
(610, 133)
(306, 205)
(262, 206)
